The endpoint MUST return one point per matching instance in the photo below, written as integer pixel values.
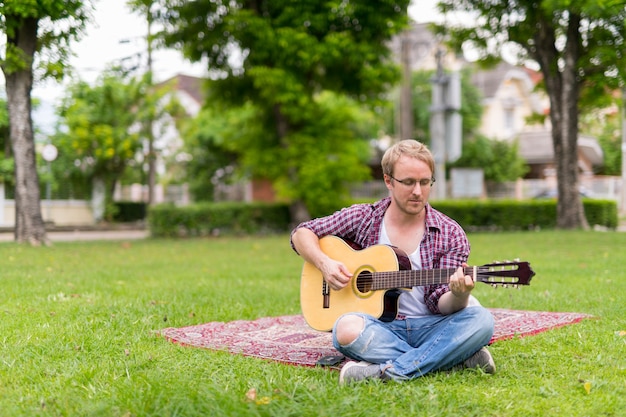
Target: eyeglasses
(410, 182)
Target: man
(438, 327)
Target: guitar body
(380, 303)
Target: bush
(522, 215)
(205, 219)
(129, 211)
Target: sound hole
(364, 282)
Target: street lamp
(49, 153)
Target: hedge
(206, 219)
(522, 215)
(129, 211)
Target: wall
(56, 212)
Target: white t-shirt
(411, 303)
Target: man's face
(410, 185)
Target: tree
(579, 47)
(33, 28)
(275, 59)
(329, 150)
(210, 162)
(102, 127)
(499, 160)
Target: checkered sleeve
(349, 223)
(453, 248)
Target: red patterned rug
(289, 339)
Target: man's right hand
(335, 273)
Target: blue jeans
(411, 348)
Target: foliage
(82, 322)
(7, 168)
(523, 215)
(101, 128)
(328, 151)
(5, 140)
(499, 160)
(611, 143)
(211, 219)
(206, 219)
(95, 140)
(516, 25)
(608, 129)
(210, 162)
(59, 22)
(130, 211)
(281, 64)
(6, 162)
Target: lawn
(79, 323)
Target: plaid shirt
(444, 244)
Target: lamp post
(622, 205)
(49, 153)
(445, 123)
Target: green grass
(79, 321)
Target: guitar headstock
(505, 273)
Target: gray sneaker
(358, 371)
(481, 359)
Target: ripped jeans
(411, 348)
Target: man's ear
(388, 180)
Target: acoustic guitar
(380, 274)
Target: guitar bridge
(325, 294)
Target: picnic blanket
(290, 340)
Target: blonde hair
(410, 148)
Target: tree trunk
(570, 209)
(29, 225)
(562, 85)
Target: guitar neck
(413, 278)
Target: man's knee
(348, 328)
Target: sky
(116, 33)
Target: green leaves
(500, 160)
(293, 102)
(104, 126)
(58, 22)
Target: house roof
(535, 146)
(192, 86)
(489, 81)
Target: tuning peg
(517, 259)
